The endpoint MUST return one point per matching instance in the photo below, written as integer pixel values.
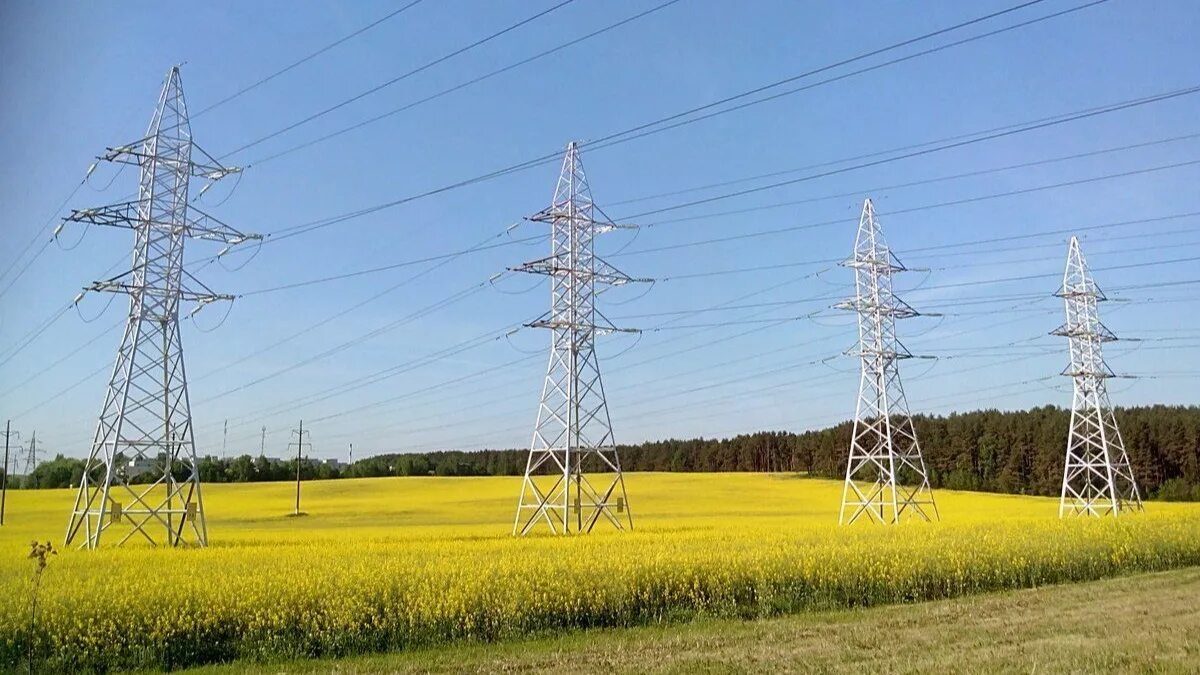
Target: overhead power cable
(423, 67)
(462, 85)
(645, 130)
(42, 371)
(915, 153)
(412, 316)
(610, 138)
(394, 13)
(33, 242)
(440, 260)
(915, 209)
(905, 253)
(925, 181)
(524, 240)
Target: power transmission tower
(145, 424)
(1097, 478)
(31, 456)
(573, 474)
(885, 473)
(300, 444)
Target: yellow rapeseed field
(395, 562)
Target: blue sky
(75, 78)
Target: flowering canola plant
(392, 563)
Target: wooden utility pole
(300, 445)
(4, 478)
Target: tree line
(1018, 452)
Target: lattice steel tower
(573, 474)
(1097, 478)
(885, 474)
(145, 425)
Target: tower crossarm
(884, 262)
(1097, 332)
(141, 151)
(560, 265)
(553, 214)
(191, 291)
(127, 214)
(892, 306)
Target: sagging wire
(78, 298)
(637, 232)
(617, 303)
(819, 276)
(495, 277)
(91, 169)
(508, 338)
(826, 362)
(58, 230)
(237, 181)
(1058, 389)
(941, 318)
(220, 256)
(1138, 344)
(924, 280)
(192, 316)
(850, 322)
(531, 240)
(626, 350)
(933, 362)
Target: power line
(927, 181)
(387, 268)
(777, 321)
(441, 261)
(918, 153)
(32, 336)
(408, 395)
(379, 375)
(38, 234)
(915, 209)
(610, 138)
(398, 78)
(463, 85)
(61, 360)
(524, 240)
(445, 302)
(309, 57)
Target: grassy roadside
(1147, 622)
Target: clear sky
(77, 77)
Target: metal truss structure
(1097, 477)
(885, 474)
(141, 475)
(573, 475)
(31, 455)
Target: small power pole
(262, 444)
(300, 444)
(350, 457)
(224, 438)
(8, 433)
